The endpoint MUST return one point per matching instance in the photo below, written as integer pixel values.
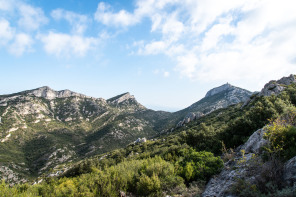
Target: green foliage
(147, 177)
(281, 134)
(199, 165)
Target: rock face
(276, 87)
(219, 89)
(48, 93)
(140, 140)
(121, 98)
(125, 99)
(290, 172)
(273, 88)
(255, 142)
(221, 185)
(220, 97)
(216, 98)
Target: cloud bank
(216, 40)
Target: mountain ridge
(73, 126)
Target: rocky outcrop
(255, 142)
(273, 88)
(216, 98)
(221, 185)
(276, 87)
(124, 100)
(48, 93)
(140, 140)
(121, 98)
(219, 89)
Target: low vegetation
(175, 162)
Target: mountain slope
(216, 98)
(64, 126)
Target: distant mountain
(216, 98)
(42, 128)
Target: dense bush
(199, 165)
(281, 134)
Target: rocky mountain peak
(121, 98)
(48, 93)
(219, 89)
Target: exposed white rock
(12, 129)
(9, 134)
(48, 93)
(219, 89)
(122, 98)
(276, 87)
(140, 140)
(36, 121)
(9, 175)
(6, 138)
(273, 87)
(68, 119)
(220, 185)
(255, 142)
(40, 116)
(3, 104)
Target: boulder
(140, 140)
(289, 174)
(221, 185)
(255, 142)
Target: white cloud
(107, 17)
(79, 22)
(21, 44)
(217, 40)
(61, 45)
(166, 74)
(6, 32)
(16, 44)
(31, 18)
(152, 48)
(7, 5)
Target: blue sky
(167, 53)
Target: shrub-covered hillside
(179, 162)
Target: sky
(167, 53)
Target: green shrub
(199, 165)
(281, 134)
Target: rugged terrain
(216, 98)
(42, 128)
(242, 149)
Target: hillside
(180, 163)
(216, 98)
(66, 126)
